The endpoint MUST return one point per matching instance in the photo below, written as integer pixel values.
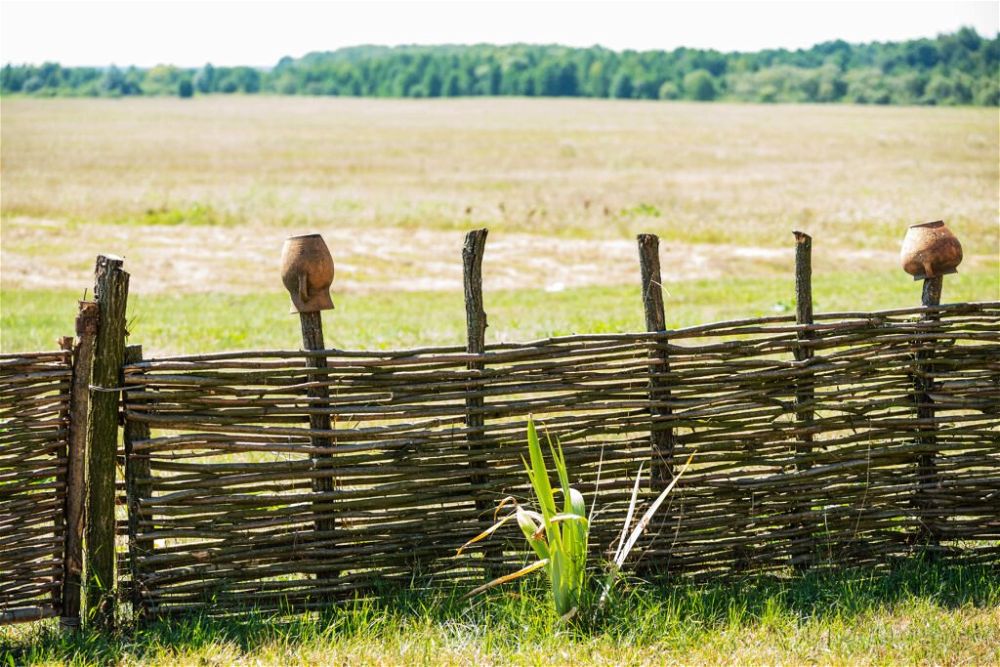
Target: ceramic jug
(930, 250)
(307, 272)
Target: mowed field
(198, 196)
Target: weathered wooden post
(307, 272)
(475, 328)
(930, 251)
(923, 384)
(804, 386)
(111, 294)
(137, 489)
(59, 524)
(87, 320)
(661, 436)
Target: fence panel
(850, 497)
(229, 512)
(232, 513)
(34, 404)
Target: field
(198, 196)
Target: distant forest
(957, 68)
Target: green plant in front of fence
(560, 539)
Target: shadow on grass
(638, 612)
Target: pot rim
(303, 236)
(936, 223)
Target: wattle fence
(228, 514)
(34, 435)
(288, 480)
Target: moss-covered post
(111, 294)
(76, 490)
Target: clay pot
(930, 250)
(307, 272)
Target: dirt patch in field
(54, 255)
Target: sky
(190, 33)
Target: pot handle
(303, 287)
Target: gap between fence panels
(290, 479)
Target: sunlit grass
(200, 195)
(193, 323)
(916, 613)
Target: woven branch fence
(822, 461)
(288, 480)
(34, 404)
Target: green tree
(204, 80)
(967, 64)
(669, 91)
(452, 87)
(699, 85)
(621, 86)
(597, 84)
(432, 83)
(161, 80)
(185, 89)
(33, 84)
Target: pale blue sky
(147, 32)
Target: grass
(200, 194)
(192, 323)
(914, 613)
(695, 173)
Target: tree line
(957, 68)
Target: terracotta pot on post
(307, 272)
(930, 250)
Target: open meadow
(198, 195)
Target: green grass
(193, 323)
(915, 613)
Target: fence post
(60, 526)
(312, 340)
(804, 386)
(76, 461)
(923, 384)
(475, 329)
(661, 437)
(138, 487)
(111, 292)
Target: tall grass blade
(648, 516)
(623, 550)
(629, 513)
